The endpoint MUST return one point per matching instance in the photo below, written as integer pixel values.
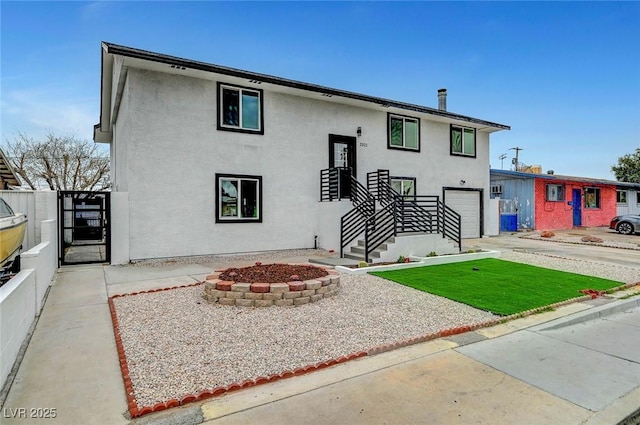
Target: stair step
(359, 251)
(389, 241)
(353, 257)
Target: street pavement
(578, 364)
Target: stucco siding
(551, 215)
(168, 150)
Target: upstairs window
(555, 192)
(238, 198)
(592, 197)
(403, 133)
(240, 109)
(463, 141)
(621, 196)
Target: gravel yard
(176, 343)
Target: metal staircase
(380, 214)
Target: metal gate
(85, 235)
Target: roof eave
(114, 49)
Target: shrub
(432, 254)
(363, 264)
(401, 259)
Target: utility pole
(517, 149)
(501, 158)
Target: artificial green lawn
(501, 287)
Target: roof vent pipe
(442, 99)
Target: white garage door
(467, 204)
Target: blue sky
(564, 75)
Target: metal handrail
(353, 223)
(378, 228)
(400, 214)
(451, 224)
(426, 214)
(329, 184)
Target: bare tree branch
(59, 163)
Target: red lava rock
(273, 273)
(591, 239)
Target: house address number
(363, 145)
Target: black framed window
(405, 186)
(555, 192)
(240, 109)
(621, 196)
(463, 141)
(238, 198)
(403, 132)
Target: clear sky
(564, 75)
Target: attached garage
(467, 203)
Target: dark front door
(576, 203)
(342, 155)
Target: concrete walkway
(497, 375)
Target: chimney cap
(550, 172)
(442, 90)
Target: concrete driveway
(556, 247)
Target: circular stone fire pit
(264, 285)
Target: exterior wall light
(359, 131)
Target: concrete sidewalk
(71, 365)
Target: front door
(342, 155)
(576, 203)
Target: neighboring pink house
(550, 202)
(586, 204)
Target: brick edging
(136, 411)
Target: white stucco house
(208, 159)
